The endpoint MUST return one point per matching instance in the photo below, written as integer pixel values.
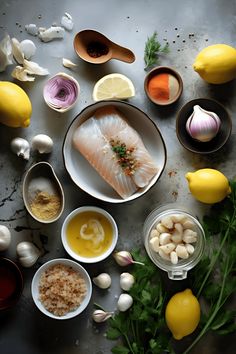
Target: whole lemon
(182, 314)
(216, 64)
(208, 185)
(15, 105)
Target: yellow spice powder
(45, 206)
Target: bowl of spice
(42, 193)
(89, 234)
(11, 283)
(163, 85)
(61, 289)
(95, 48)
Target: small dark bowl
(203, 147)
(161, 70)
(10, 292)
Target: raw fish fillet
(93, 139)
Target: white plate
(75, 266)
(87, 178)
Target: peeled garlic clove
(173, 257)
(42, 143)
(28, 253)
(125, 301)
(154, 243)
(17, 52)
(161, 228)
(21, 74)
(101, 316)
(203, 125)
(47, 35)
(21, 148)
(189, 248)
(168, 248)
(31, 29)
(164, 255)
(28, 48)
(126, 281)
(189, 236)
(167, 222)
(103, 280)
(34, 69)
(181, 252)
(5, 238)
(154, 233)
(164, 238)
(68, 63)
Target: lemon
(15, 105)
(216, 64)
(182, 314)
(208, 185)
(115, 86)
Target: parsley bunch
(142, 328)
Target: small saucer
(203, 147)
(164, 70)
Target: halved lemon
(115, 86)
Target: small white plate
(87, 178)
(66, 262)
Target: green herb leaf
(152, 50)
(113, 333)
(119, 349)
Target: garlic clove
(101, 316)
(5, 53)
(28, 48)
(103, 281)
(126, 281)
(21, 148)
(28, 253)
(34, 69)
(5, 238)
(17, 52)
(67, 22)
(124, 258)
(68, 63)
(21, 74)
(31, 29)
(48, 34)
(203, 125)
(124, 302)
(42, 143)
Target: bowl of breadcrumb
(61, 289)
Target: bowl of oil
(89, 234)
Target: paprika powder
(163, 87)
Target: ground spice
(163, 87)
(45, 206)
(97, 49)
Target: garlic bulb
(126, 281)
(28, 253)
(124, 258)
(101, 316)
(5, 238)
(21, 148)
(42, 143)
(103, 280)
(125, 301)
(203, 125)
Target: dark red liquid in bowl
(7, 282)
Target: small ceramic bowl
(41, 177)
(175, 86)
(98, 214)
(61, 92)
(175, 271)
(203, 147)
(35, 288)
(11, 283)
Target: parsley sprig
(152, 50)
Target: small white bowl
(87, 178)
(76, 256)
(75, 266)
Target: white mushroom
(28, 253)
(42, 143)
(126, 281)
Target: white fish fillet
(92, 138)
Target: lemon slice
(113, 86)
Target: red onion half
(61, 92)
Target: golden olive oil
(88, 247)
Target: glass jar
(175, 271)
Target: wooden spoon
(85, 38)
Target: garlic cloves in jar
(21, 148)
(28, 253)
(203, 125)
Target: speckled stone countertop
(23, 329)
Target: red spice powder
(158, 87)
(7, 283)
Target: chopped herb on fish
(124, 155)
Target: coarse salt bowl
(89, 234)
(61, 92)
(184, 236)
(163, 85)
(76, 269)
